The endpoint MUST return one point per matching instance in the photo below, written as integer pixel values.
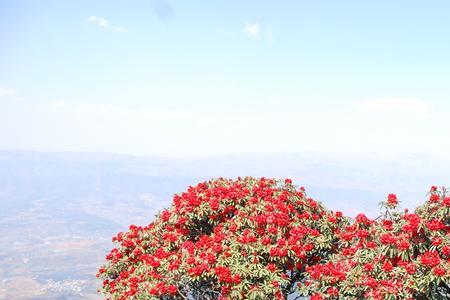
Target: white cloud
(401, 105)
(252, 30)
(103, 23)
(7, 92)
(99, 21)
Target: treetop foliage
(265, 239)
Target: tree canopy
(265, 239)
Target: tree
(400, 255)
(224, 239)
(264, 239)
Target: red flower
(438, 271)
(271, 267)
(403, 245)
(434, 198)
(333, 291)
(392, 200)
(446, 201)
(411, 268)
(435, 225)
(223, 274)
(445, 250)
(436, 241)
(362, 219)
(368, 267)
(387, 266)
(388, 239)
(430, 259)
(171, 289)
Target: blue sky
(185, 78)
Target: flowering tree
(400, 255)
(262, 239)
(224, 239)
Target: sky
(206, 78)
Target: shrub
(264, 239)
(400, 255)
(224, 239)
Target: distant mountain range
(60, 210)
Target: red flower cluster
(224, 239)
(264, 239)
(397, 256)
